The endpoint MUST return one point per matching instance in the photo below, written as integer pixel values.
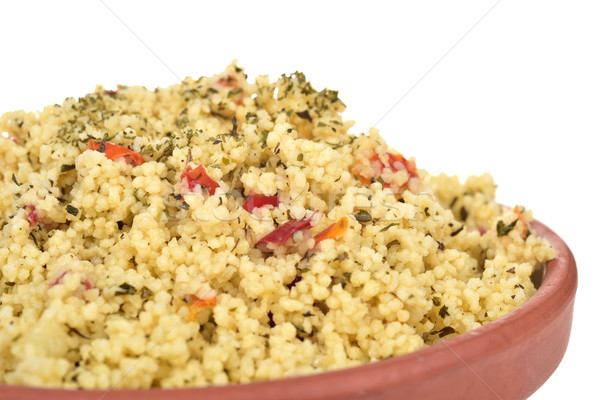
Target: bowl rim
(557, 292)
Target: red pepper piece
(394, 161)
(198, 176)
(114, 151)
(259, 200)
(285, 231)
(410, 165)
(31, 215)
(57, 280)
(333, 231)
(86, 284)
(197, 304)
(228, 81)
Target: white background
(518, 96)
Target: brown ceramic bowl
(507, 359)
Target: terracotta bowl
(507, 359)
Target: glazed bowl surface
(508, 359)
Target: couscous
(220, 231)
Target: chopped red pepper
(114, 151)
(86, 284)
(285, 231)
(228, 80)
(196, 304)
(230, 85)
(57, 280)
(409, 165)
(5, 135)
(259, 200)
(525, 226)
(333, 231)
(396, 162)
(31, 215)
(198, 176)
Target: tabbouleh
(220, 231)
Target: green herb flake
(445, 331)
(341, 256)
(75, 331)
(456, 232)
(444, 312)
(453, 202)
(234, 127)
(463, 214)
(503, 230)
(66, 167)
(146, 293)
(234, 91)
(392, 243)
(72, 210)
(263, 140)
(363, 216)
(304, 115)
(102, 145)
(125, 288)
(321, 124)
(32, 236)
(300, 157)
(14, 179)
(436, 301)
(389, 226)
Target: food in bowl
(218, 231)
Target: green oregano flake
(263, 140)
(304, 115)
(300, 157)
(463, 214)
(234, 127)
(66, 167)
(389, 226)
(444, 312)
(456, 232)
(445, 331)
(453, 202)
(72, 210)
(392, 243)
(102, 145)
(503, 230)
(363, 216)
(125, 288)
(146, 293)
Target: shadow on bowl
(508, 359)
